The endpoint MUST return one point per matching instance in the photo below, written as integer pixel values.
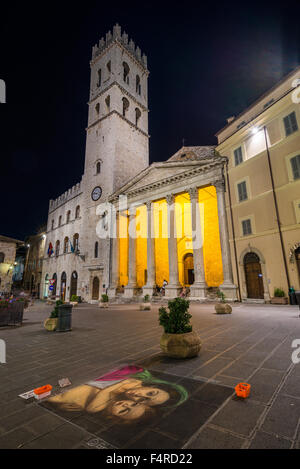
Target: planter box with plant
(178, 340)
(104, 302)
(146, 305)
(279, 297)
(222, 307)
(50, 323)
(74, 300)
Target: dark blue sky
(207, 61)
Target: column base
(130, 291)
(112, 292)
(229, 290)
(172, 291)
(148, 290)
(198, 290)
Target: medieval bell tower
(117, 145)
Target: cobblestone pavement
(253, 344)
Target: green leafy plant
(54, 313)
(74, 298)
(279, 293)
(146, 298)
(221, 296)
(177, 320)
(104, 298)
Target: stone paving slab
(252, 344)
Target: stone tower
(117, 145)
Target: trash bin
(64, 323)
(292, 297)
(297, 294)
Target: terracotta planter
(223, 308)
(180, 345)
(145, 306)
(279, 300)
(51, 324)
(103, 305)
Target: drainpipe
(277, 210)
(233, 232)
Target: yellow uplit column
(198, 289)
(173, 288)
(150, 285)
(115, 252)
(131, 287)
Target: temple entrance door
(63, 286)
(188, 266)
(74, 278)
(254, 281)
(95, 290)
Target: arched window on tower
(59, 221)
(76, 242)
(137, 116)
(107, 102)
(138, 85)
(99, 78)
(96, 249)
(77, 212)
(108, 67)
(125, 106)
(126, 71)
(52, 225)
(57, 247)
(66, 244)
(97, 108)
(68, 216)
(98, 167)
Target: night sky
(206, 62)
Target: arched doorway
(63, 286)
(74, 278)
(188, 267)
(95, 291)
(32, 284)
(54, 277)
(46, 287)
(297, 257)
(253, 275)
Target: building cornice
(122, 117)
(123, 91)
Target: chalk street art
(127, 394)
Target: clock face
(96, 194)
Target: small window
(96, 249)
(126, 70)
(98, 167)
(66, 244)
(138, 85)
(125, 106)
(2, 257)
(76, 242)
(107, 102)
(77, 212)
(52, 225)
(68, 216)
(137, 116)
(108, 66)
(57, 247)
(295, 163)
(97, 107)
(246, 225)
(99, 78)
(242, 191)
(238, 156)
(290, 123)
(59, 221)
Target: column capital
(219, 185)
(149, 204)
(170, 198)
(193, 191)
(132, 211)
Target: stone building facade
(8, 248)
(32, 280)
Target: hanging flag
(50, 250)
(71, 246)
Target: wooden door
(254, 281)
(73, 284)
(95, 291)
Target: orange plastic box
(243, 390)
(42, 392)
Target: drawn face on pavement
(148, 395)
(128, 410)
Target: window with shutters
(290, 123)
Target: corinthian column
(198, 289)
(150, 285)
(227, 287)
(115, 253)
(131, 287)
(173, 288)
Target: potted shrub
(74, 300)
(279, 297)
(51, 323)
(103, 303)
(178, 340)
(146, 305)
(222, 307)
